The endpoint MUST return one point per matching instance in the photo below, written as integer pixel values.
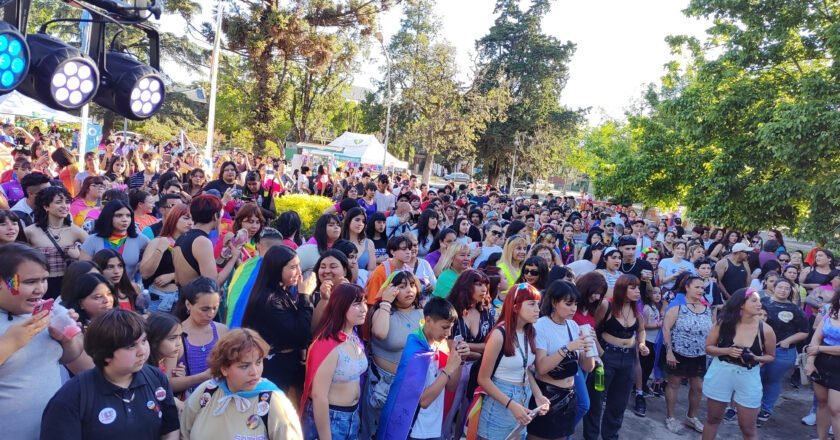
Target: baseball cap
(740, 247)
(626, 240)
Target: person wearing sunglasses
(481, 251)
(535, 273)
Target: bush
(308, 207)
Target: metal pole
(513, 168)
(85, 114)
(388, 113)
(214, 73)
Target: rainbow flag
(239, 289)
(403, 402)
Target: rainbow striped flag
(239, 289)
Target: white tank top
(511, 368)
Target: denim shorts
(344, 423)
(496, 421)
(723, 379)
(161, 301)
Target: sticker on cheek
(13, 283)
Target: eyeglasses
(532, 272)
(786, 260)
(496, 233)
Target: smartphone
(237, 193)
(46, 304)
(458, 339)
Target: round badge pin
(160, 393)
(204, 400)
(150, 404)
(262, 408)
(107, 416)
(253, 422)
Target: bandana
(117, 242)
(241, 398)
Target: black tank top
(756, 348)
(185, 242)
(735, 276)
(815, 277)
(165, 266)
(616, 329)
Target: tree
(433, 112)
(275, 38)
(746, 139)
(533, 67)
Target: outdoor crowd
(144, 299)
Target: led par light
(61, 76)
(129, 87)
(14, 57)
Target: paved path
(784, 425)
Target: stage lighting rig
(62, 77)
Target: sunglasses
(786, 260)
(532, 272)
(496, 233)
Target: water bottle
(599, 377)
(144, 301)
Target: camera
(747, 356)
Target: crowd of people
(143, 300)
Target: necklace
(57, 234)
(631, 267)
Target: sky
(620, 45)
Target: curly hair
(232, 346)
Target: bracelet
(508, 404)
(383, 304)
(447, 374)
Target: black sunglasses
(533, 272)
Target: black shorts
(559, 422)
(828, 371)
(686, 366)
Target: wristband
(447, 374)
(384, 303)
(508, 404)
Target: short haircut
(33, 179)
(395, 242)
(204, 208)
(268, 234)
(111, 331)
(232, 346)
(440, 308)
(137, 197)
(167, 197)
(13, 254)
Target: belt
(737, 364)
(611, 347)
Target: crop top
(512, 368)
(831, 333)
(401, 325)
(614, 328)
(756, 348)
(348, 369)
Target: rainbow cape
(404, 397)
(239, 289)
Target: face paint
(13, 283)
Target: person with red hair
(157, 266)
(505, 375)
(334, 367)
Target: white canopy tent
(17, 104)
(367, 149)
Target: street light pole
(388, 111)
(513, 168)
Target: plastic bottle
(61, 320)
(599, 377)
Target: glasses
(532, 272)
(785, 260)
(496, 233)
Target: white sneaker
(694, 423)
(810, 419)
(673, 425)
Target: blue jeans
(582, 395)
(772, 375)
(619, 375)
(160, 300)
(344, 424)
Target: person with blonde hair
(455, 260)
(513, 257)
(237, 402)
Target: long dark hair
(371, 225)
(288, 223)
(348, 217)
(269, 280)
(338, 255)
(462, 291)
(44, 198)
(542, 267)
(423, 229)
(730, 313)
(440, 237)
(158, 327)
(320, 232)
(104, 225)
(342, 298)
(125, 286)
(8, 215)
(191, 292)
(559, 290)
(81, 289)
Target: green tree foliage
(533, 68)
(281, 41)
(747, 139)
(432, 111)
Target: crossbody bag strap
(57, 247)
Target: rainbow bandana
(117, 242)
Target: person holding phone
(31, 354)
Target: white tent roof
(17, 104)
(367, 149)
